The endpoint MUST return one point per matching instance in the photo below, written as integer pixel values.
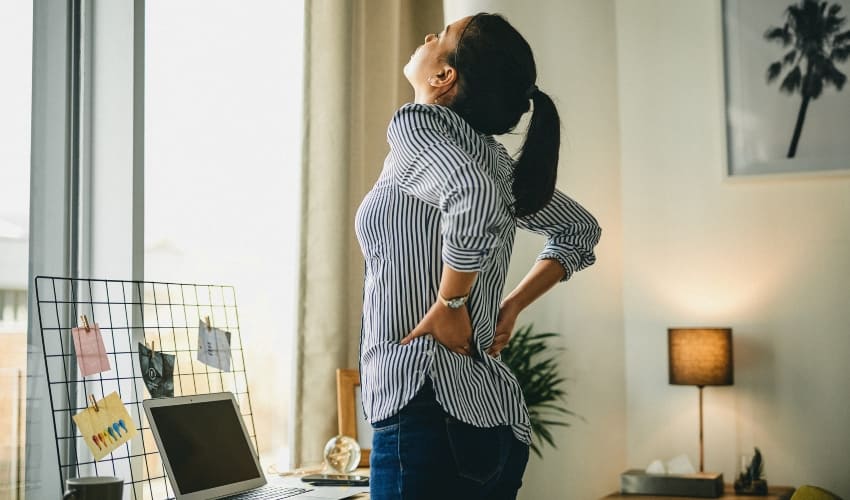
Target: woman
(437, 231)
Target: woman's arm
(541, 278)
(571, 234)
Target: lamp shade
(700, 356)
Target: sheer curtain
(355, 52)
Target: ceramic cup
(94, 488)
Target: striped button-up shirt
(444, 197)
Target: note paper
(214, 347)
(106, 428)
(157, 372)
(91, 353)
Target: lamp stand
(701, 468)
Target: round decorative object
(342, 454)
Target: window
(222, 160)
(15, 92)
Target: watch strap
(453, 302)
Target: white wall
(768, 257)
(574, 48)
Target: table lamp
(700, 357)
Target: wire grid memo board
(129, 313)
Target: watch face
(456, 303)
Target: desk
(292, 479)
(773, 493)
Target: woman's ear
(445, 78)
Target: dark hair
(496, 75)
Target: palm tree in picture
(813, 31)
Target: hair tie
(531, 90)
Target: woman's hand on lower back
(504, 329)
(450, 327)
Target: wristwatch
(454, 302)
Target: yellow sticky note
(106, 428)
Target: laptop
(207, 453)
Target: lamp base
(702, 484)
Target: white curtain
(355, 51)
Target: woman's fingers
(499, 343)
(464, 348)
(416, 333)
(504, 327)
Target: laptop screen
(205, 445)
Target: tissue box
(702, 484)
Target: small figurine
(751, 481)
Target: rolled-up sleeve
(571, 232)
(439, 172)
(474, 219)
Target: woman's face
(428, 70)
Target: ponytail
(496, 75)
(536, 169)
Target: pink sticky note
(91, 353)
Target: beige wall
(769, 257)
(574, 46)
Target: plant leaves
(535, 365)
(778, 34)
(756, 466)
(773, 71)
(792, 80)
(840, 54)
(841, 38)
(834, 9)
(789, 57)
(834, 76)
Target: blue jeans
(424, 453)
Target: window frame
(86, 175)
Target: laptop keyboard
(270, 493)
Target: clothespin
(207, 321)
(153, 345)
(85, 321)
(94, 402)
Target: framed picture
(787, 102)
(352, 420)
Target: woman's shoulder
(411, 117)
(421, 124)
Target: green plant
(755, 471)
(752, 480)
(534, 363)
